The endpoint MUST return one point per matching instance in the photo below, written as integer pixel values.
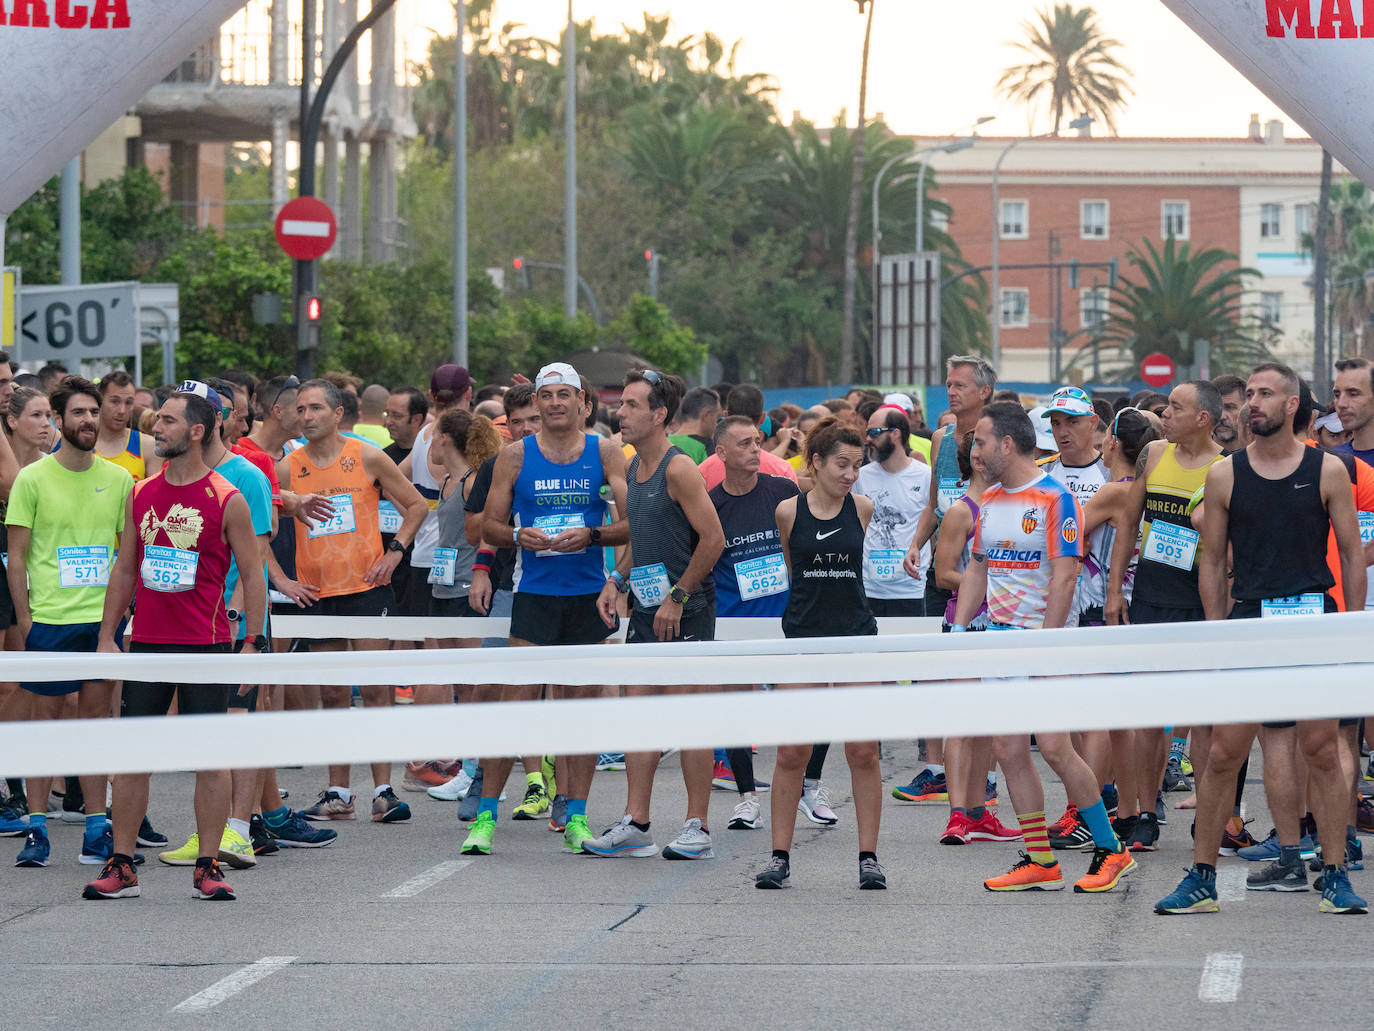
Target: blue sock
(577, 807)
(38, 822)
(489, 805)
(277, 816)
(1095, 816)
(95, 826)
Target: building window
(1271, 307)
(1015, 220)
(1015, 308)
(1174, 219)
(1094, 219)
(1094, 305)
(1304, 221)
(1271, 220)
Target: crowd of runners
(184, 519)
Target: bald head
(372, 403)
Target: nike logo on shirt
(822, 536)
(1300, 486)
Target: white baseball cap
(1044, 439)
(556, 373)
(902, 401)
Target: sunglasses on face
(874, 432)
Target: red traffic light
(649, 255)
(312, 309)
(519, 263)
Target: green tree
(647, 328)
(1072, 67)
(1170, 298)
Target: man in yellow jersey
(117, 442)
(343, 557)
(1164, 588)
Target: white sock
(935, 768)
(343, 793)
(377, 791)
(239, 827)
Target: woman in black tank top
(822, 535)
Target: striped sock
(1037, 838)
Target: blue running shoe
(1265, 851)
(472, 801)
(14, 820)
(1338, 896)
(924, 787)
(612, 761)
(98, 851)
(36, 849)
(1194, 894)
(295, 831)
(1310, 846)
(990, 794)
(1354, 853)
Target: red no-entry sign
(1157, 369)
(306, 228)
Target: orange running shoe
(421, 776)
(1028, 875)
(1105, 870)
(405, 695)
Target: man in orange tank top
(343, 559)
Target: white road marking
(428, 879)
(1221, 977)
(233, 984)
(1231, 883)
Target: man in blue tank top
(675, 539)
(551, 483)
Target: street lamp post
(1082, 122)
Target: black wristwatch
(261, 643)
(396, 545)
(596, 535)
(678, 595)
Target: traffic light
(651, 258)
(522, 272)
(312, 310)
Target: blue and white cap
(195, 386)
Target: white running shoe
(692, 843)
(748, 814)
(623, 839)
(814, 804)
(453, 790)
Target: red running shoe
(957, 830)
(117, 881)
(989, 828)
(209, 882)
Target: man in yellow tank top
(117, 442)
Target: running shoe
(777, 874)
(472, 801)
(73, 808)
(149, 838)
(405, 696)
(1364, 816)
(455, 789)
(186, 855)
(1111, 798)
(1124, 826)
(1028, 875)
(1077, 837)
(14, 819)
(989, 828)
(1194, 894)
(1144, 837)
(1309, 847)
(264, 844)
(610, 761)
(990, 795)
(558, 813)
(117, 881)
(1186, 764)
(36, 849)
(1263, 851)
(871, 875)
(425, 775)
(1174, 777)
(1354, 853)
(925, 787)
(534, 805)
(1065, 823)
(957, 830)
(1338, 896)
(330, 806)
(692, 842)
(478, 841)
(1105, 871)
(1161, 810)
(1277, 877)
(748, 814)
(209, 882)
(98, 850)
(1231, 843)
(814, 804)
(575, 833)
(623, 839)
(296, 832)
(548, 766)
(235, 851)
(723, 777)
(387, 808)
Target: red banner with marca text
(1313, 58)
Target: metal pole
(570, 167)
(921, 206)
(460, 204)
(305, 270)
(69, 222)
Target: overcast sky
(934, 64)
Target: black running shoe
(871, 875)
(777, 875)
(1144, 837)
(1077, 837)
(264, 844)
(149, 838)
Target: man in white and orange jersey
(1027, 548)
(343, 558)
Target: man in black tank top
(675, 539)
(1273, 504)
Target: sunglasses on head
(291, 383)
(1117, 418)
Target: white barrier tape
(681, 721)
(418, 628)
(1239, 644)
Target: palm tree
(1072, 66)
(1172, 298)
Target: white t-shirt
(1084, 481)
(898, 501)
